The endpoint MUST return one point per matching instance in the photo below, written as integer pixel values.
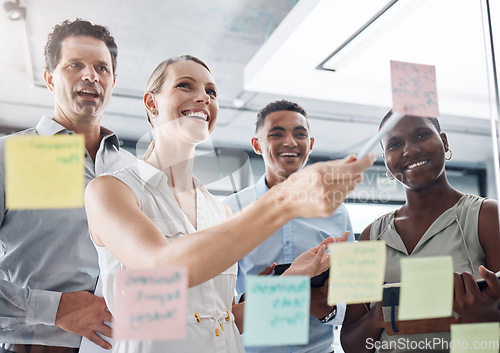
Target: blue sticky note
(277, 310)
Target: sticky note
(426, 287)
(414, 89)
(150, 304)
(43, 172)
(277, 310)
(481, 337)
(356, 272)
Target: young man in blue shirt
(283, 140)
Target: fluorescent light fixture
(382, 22)
(444, 33)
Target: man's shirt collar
(49, 127)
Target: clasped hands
(311, 263)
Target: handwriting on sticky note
(414, 89)
(480, 337)
(426, 287)
(150, 304)
(43, 172)
(356, 272)
(277, 310)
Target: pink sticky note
(414, 89)
(150, 304)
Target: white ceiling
(278, 44)
(447, 34)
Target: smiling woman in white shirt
(155, 214)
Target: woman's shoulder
(137, 175)
(128, 177)
(488, 211)
(108, 180)
(470, 203)
(107, 188)
(131, 168)
(380, 224)
(384, 219)
(470, 198)
(378, 227)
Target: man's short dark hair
(278, 106)
(77, 27)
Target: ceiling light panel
(444, 33)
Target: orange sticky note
(43, 172)
(150, 304)
(414, 89)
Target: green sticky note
(482, 337)
(277, 310)
(43, 172)
(357, 274)
(426, 288)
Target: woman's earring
(154, 114)
(451, 154)
(387, 173)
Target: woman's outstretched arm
(117, 222)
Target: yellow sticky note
(44, 172)
(426, 287)
(356, 272)
(482, 337)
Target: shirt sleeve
(23, 306)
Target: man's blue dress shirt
(295, 237)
